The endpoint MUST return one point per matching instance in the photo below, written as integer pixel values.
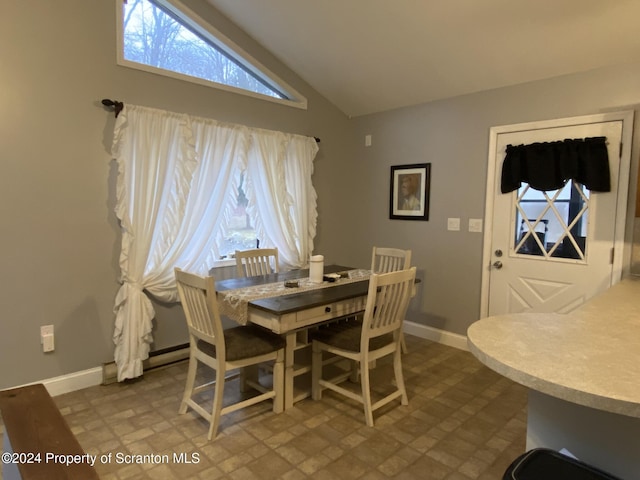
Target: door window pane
(552, 224)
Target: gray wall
(453, 135)
(60, 239)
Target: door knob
(497, 264)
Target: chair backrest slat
(385, 260)
(387, 302)
(251, 263)
(198, 298)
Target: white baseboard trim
(435, 334)
(95, 376)
(70, 382)
(73, 381)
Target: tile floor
(463, 422)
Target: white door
(551, 251)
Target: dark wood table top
(283, 304)
(241, 282)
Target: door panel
(554, 248)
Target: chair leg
(397, 367)
(316, 371)
(247, 374)
(403, 344)
(355, 372)
(366, 392)
(278, 383)
(218, 395)
(243, 380)
(188, 387)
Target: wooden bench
(39, 439)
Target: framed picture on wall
(409, 198)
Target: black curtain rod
(118, 106)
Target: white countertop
(590, 357)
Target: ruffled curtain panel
(177, 175)
(548, 166)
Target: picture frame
(409, 192)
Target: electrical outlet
(48, 344)
(46, 338)
(367, 140)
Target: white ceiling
(368, 56)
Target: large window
(165, 37)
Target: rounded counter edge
(556, 390)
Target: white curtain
(279, 168)
(176, 181)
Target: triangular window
(165, 37)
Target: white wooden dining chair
(385, 260)
(227, 350)
(376, 336)
(258, 261)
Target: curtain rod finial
(117, 106)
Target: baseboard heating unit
(158, 359)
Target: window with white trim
(165, 37)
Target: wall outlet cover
(46, 330)
(47, 343)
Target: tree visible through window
(240, 233)
(157, 35)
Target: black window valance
(548, 166)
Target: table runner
(235, 303)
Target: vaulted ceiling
(368, 56)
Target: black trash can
(547, 464)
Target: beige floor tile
(463, 422)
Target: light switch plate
(453, 224)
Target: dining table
(289, 304)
